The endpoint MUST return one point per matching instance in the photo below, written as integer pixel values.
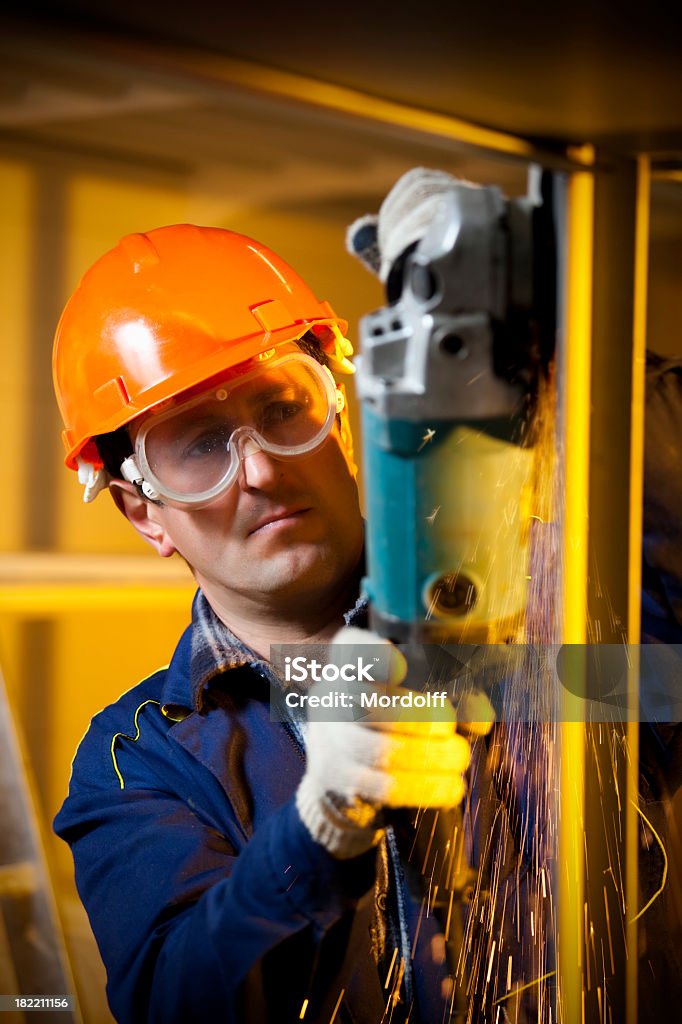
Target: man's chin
(303, 566)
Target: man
(233, 867)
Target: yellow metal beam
(37, 585)
(36, 601)
(220, 70)
(328, 96)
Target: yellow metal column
(639, 319)
(576, 354)
(603, 398)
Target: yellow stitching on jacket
(162, 668)
(124, 736)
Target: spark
(429, 435)
(446, 933)
(608, 929)
(390, 969)
(522, 988)
(303, 1009)
(431, 519)
(394, 998)
(490, 961)
(430, 842)
(418, 928)
(336, 1008)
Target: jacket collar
(208, 648)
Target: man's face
(287, 530)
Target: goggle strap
(131, 472)
(340, 397)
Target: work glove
(405, 215)
(359, 766)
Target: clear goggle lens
(191, 453)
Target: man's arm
(194, 921)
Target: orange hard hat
(166, 310)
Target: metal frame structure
(601, 379)
(601, 390)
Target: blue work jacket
(208, 898)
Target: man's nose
(258, 471)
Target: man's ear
(143, 515)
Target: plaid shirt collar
(215, 648)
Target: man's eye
(279, 412)
(208, 443)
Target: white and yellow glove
(405, 215)
(357, 768)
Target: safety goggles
(190, 453)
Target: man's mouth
(278, 520)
